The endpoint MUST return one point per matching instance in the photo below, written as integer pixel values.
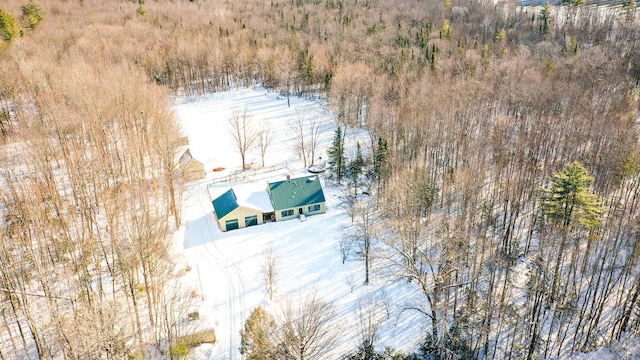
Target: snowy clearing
(308, 257)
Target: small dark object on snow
(193, 315)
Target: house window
(315, 207)
(231, 224)
(251, 220)
(287, 213)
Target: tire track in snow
(232, 274)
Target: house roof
(182, 154)
(225, 203)
(253, 196)
(287, 194)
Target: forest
(504, 142)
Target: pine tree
(445, 31)
(9, 28)
(257, 337)
(545, 18)
(381, 159)
(365, 351)
(337, 160)
(355, 168)
(32, 15)
(569, 200)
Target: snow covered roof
(253, 195)
(182, 155)
(291, 193)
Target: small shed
(243, 206)
(294, 197)
(191, 168)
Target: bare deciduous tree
(314, 139)
(307, 136)
(166, 133)
(242, 132)
(363, 230)
(348, 203)
(264, 141)
(346, 246)
(368, 317)
(351, 93)
(270, 270)
(307, 331)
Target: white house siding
(296, 212)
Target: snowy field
(308, 256)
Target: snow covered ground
(308, 257)
(229, 265)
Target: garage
(231, 224)
(250, 220)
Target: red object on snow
(218, 169)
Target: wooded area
(504, 142)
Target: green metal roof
(225, 203)
(297, 192)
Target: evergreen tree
(337, 161)
(365, 351)
(569, 199)
(355, 168)
(545, 18)
(257, 337)
(32, 15)
(141, 9)
(445, 31)
(9, 28)
(381, 159)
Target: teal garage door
(251, 220)
(231, 224)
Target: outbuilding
(191, 168)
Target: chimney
(288, 177)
